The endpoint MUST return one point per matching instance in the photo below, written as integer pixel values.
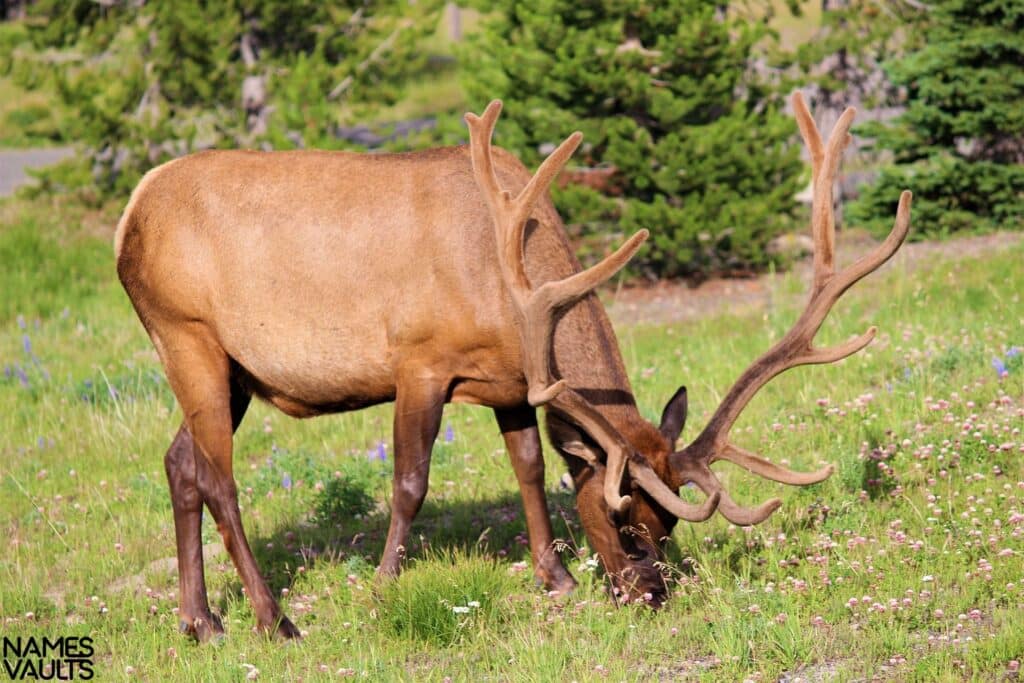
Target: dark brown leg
(194, 615)
(198, 371)
(418, 408)
(522, 438)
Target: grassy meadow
(905, 565)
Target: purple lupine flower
(21, 322)
(1013, 352)
(380, 452)
(286, 482)
(449, 433)
(22, 377)
(999, 366)
(26, 344)
(8, 373)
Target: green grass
(926, 436)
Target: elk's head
(628, 472)
(631, 542)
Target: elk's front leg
(419, 404)
(522, 439)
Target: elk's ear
(570, 439)
(581, 450)
(674, 417)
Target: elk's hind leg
(194, 613)
(522, 438)
(200, 375)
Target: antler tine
(701, 475)
(536, 307)
(809, 132)
(871, 261)
(824, 165)
(538, 320)
(770, 470)
(559, 293)
(482, 127)
(614, 446)
(549, 168)
(796, 348)
(823, 226)
(649, 481)
(481, 130)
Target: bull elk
(325, 282)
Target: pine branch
(385, 45)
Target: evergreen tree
(960, 144)
(146, 82)
(682, 134)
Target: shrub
(341, 499)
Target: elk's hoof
(284, 629)
(556, 579)
(203, 629)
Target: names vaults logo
(60, 659)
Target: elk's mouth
(636, 578)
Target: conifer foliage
(960, 144)
(682, 132)
(144, 82)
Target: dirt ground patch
(678, 301)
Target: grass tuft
(430, 603)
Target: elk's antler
(796, 348)
(537, 306)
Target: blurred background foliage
(682, 103)
(959, 142)
(140, 83)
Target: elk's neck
(587, 356)
(586, 351)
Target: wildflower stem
(42, 513)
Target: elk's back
(321, 273)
